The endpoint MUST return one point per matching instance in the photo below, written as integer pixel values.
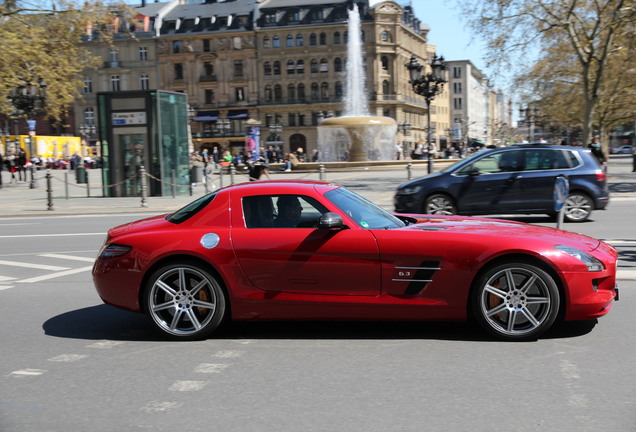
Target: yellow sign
(56, 147)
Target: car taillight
(114, 250)
(600, 175)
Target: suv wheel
(578, 207)
(440, 204)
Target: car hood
(492, 227)
(155, 222)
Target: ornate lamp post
(27, 99)
(428, 85)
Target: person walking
(597, 150)
(21, 165)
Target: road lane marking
(55, 275)
(68, 358)
(52, 235)
(32, 266)
(157, 406)
(6, 278)
(2, 287)
(187, 385)
(27, 372)
(210, 368)
(105, 344)
(68, 257)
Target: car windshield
(365, 214)
(190, 210)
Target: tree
(45, 44)
(590, 29)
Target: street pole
(429, 162)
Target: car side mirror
(330, 220)
(473, 172)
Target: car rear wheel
(516, 301)
(578, 207)
(184, 302)
(439, 204)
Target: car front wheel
(578, 207)
(516, 301)
(439, 204)
(184, 302)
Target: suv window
(545, 159)
(504, 161)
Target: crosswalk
(43, 267)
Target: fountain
(356, 136)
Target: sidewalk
(17, 199)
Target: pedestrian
(21, 166)
(258, 168)
(11, 165)
(597, 150)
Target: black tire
(516, 301)
(184, 301)
(439, 204)
(578, 207)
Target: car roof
(279, 185)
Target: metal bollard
(321, 170)
(220, 175)
(174, 184)
(409, 171)
(232, 172)
(142, 174)
(49, 191)
(66, 183)
(88, 187)
(205, 180)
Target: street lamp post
(428, 85)
(27, 99)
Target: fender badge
(210, 240)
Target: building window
(291, 119)
(295, 16)
(291, 67)
(323, 39)
(385, 87)
(457, 72)
(314, 91)
(239, 94)
(299, 40)
(114, 83)
(314, 66)
(209, 96)
(278, 93)
(301, 119)
(457, 103)
(206, 45)
(143, 53)
(89, 116)
(176, 47)
(337, 64)
(270, 18)
(291, 93)
(276, 42)
(385, 36)
(336, 38)
(238, 68)
(178, 71)
(324, 66)
(88, 86)
(385, 63)
(312, 39)
(267, 68)
(208, 69)
(268, 93)
(300, 67)
(324, 91)
(144, 82)
(266, 42)
(276, 68)
(290, 41)
(301, 92)
(339, 91)
(317, 15)
(457, 88)
(114, 56)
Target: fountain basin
(370, 138)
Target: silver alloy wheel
(517, 301)
(184, 302)
(439, 204)
(578, 207)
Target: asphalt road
(71, 363)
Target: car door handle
(514, 178)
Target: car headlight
(592, 263)
(114, 250)
(409, 190)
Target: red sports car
(306, 250)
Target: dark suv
(516, 179)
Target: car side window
(545, 159)
(493, 163)
(282, 211)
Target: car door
(303, 258)
(490, 184)
(542, 166)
